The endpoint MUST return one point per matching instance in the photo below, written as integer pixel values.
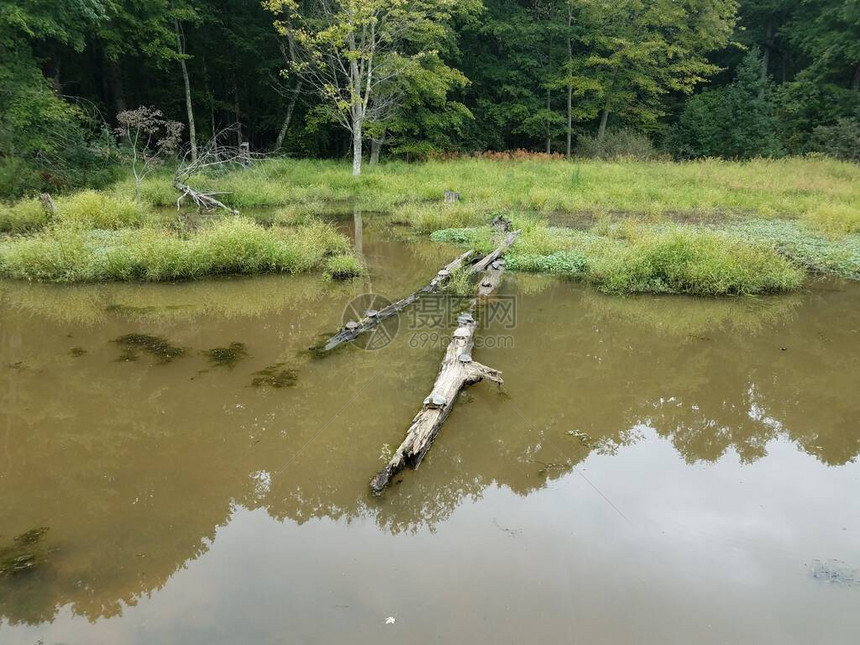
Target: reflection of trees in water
(132, 500)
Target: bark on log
(457, 371)
(482, 264)
(203, 200)
(367, 323)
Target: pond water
(656, 470)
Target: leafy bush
(841, 140)
(18, 179)
(615, 144)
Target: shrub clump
(235, 245)
(617, 144)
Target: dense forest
(686, 78)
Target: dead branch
(353, 330)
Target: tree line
(417, 78)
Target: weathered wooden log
(353, 329)
(481, 265)
(206, 201)
(457, 371)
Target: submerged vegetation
(276, 376)
(160, 348)
(227, 356)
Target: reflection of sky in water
(679, 548)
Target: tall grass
(710, 188)
(236, 245)
(673, 259)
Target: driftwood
(353, 329)
(457, 371)
(206, 201)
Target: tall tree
(349, 52)
(642, 50)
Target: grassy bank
(823, 192)
(65, 252)
(748, 227)
(636, 258)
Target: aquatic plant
(276, 376)
(343, 267)
(227, 356)
(158, 347)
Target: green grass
(25, 216)
(757, 221)
(235, 245)
(824, 189)
(643, 259)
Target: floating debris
(77, 352)
(227, 356)
(276, 376)
(584, 437)
(154, 345)
(835, 572)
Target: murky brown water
(658, 470)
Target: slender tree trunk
(569, 84)
(603, 119)
(855, 84)
(192, 131)
(356, 147)
(289, 117)
(375, 148)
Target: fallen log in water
(458, 371)
(353, 329)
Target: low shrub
(840, 140)
(615, 144)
